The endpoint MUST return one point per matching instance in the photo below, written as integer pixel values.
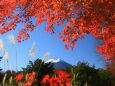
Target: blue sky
(45, 42)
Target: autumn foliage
(80, 17)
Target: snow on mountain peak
(53, 60)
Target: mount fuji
(58, 63)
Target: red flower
(62, 73)
(28, 83)
(45, 79)
(31, 76)
(53, 81)
(19, 77)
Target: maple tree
(80, 17)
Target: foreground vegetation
(39, 73)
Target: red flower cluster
(31, 78)
(61, 78)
